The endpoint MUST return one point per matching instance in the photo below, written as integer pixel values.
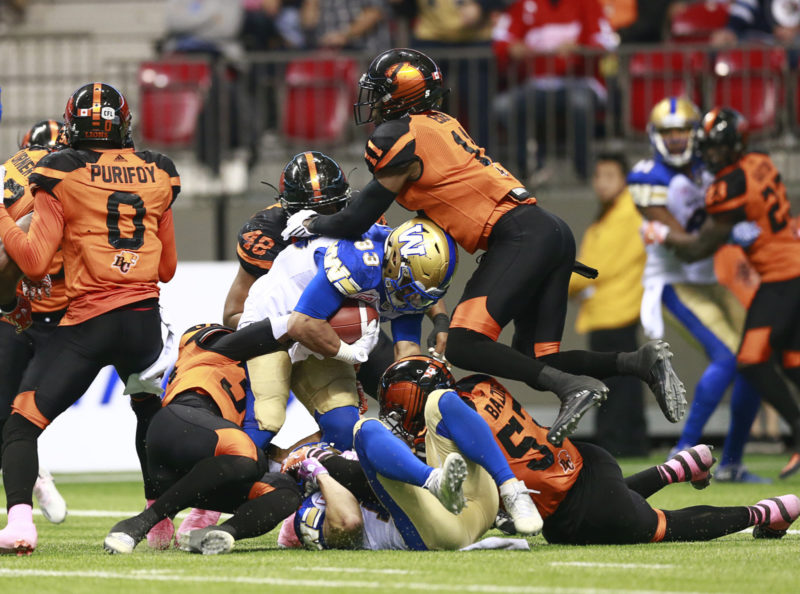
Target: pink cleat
(160, 535)
(19, 537)
(776, 515)
(197, 519)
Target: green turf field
(70, 557)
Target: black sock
(646, 482)
(21, 459)
(704, 522)
(773, 389)
(260, 515)
(144, 406)
(476, 352)
(2, 424)
(593, 364)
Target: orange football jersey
(110, 209)
(753, 190)
(200, 369)
(460, 188)
(18, 200)
(542, 466)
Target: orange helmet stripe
(97, 89)
(312, 172)
(710, 118)
(53, 125)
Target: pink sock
(687, 465)
(22, 513)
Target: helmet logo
(412, 242)
(107, 113)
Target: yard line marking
(362, 584)
(353, 570)
(612, 565)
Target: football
(351, 319)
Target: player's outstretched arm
(713, 234)
(343, 524)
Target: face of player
(676, 139)
(608, 181)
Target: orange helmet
(403, 390)
(45, 134)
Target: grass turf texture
(70, 557)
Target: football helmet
(98, 113)
(398, 82)
(193, 333)
(673, 129)
(419, 262)
(313, 180)
(404, 388)
(45, 134)
(722, 137)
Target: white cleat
(206, 541)
(52, 504)
(519, 505)
(119, 543)
(446, 483)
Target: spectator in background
(272, 25)
(537, 43)
(609, 305)
(346, 24)
(640, 21)
(760, 20)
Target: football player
(412, 506)
(214, 464)
(109, 208)
(579, 488)
(424, 159)
(670, 188)
(747, 197)
(26, 325)
(401, 272)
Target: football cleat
(196, 520)
(52, 504)
(206, 541)
(125, 535)
(446, 483)
(655, 368)
(19, 537)
(573, 407)
(791, 467)
(779, 514)
(738, 473)
(519, 505)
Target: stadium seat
(698, 21)
(172, 96)
(651, 76)
(319, 98)
(752, 82)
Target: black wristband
(441, 323)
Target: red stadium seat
(752, 82)
(698, 21)
(319, 98)
(172, 95)
(655, 75)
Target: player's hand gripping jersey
(752, 189)
(112, 208)
(460, 188)
(18, 201)
(540, 465)
(203, 369)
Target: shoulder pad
(650, 171)
(161, 161)
(66, 160)
(352, 269)
(729, 186)
(260, 242)
(392, 139)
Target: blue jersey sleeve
(320, 298)
(354, 266)
(407, 327)
(648, 182)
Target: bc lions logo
(565, 460)
(125, 261)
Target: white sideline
(610, 565)
(356, 584)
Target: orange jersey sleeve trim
(169, 252)
(755, 346)
(791, 359)
(263, 264)
(661, 527)
(540, 349)
(234, 442)
(34, 251)
(473, 315)
(25, 405)
(396, 148)
(258, 489)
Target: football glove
(745, 233)
(295, 227)
(21, 315)
(358, 352)
(319, 451)
(37, 290)
(308, 471)
(653, 232)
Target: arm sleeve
(408, 328)
(169, 253)
(358, 216)
(248, 342)
(33, 251)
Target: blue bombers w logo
(411, 241)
